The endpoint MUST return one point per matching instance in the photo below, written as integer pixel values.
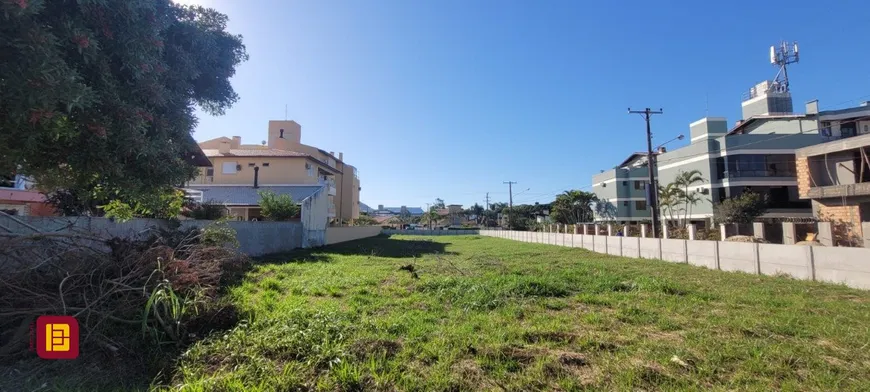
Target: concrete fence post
(585, 229)
(826, 234)
(609, 229)
(576, 229)
(693, 231)
(643, 229)
(723, 232)
(758, 229)
(625, 230)
(865, 227)
(597, 229)
(665, 231)
(789, 233)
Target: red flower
(97, 130)
(82, 41)
(22, 3)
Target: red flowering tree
(97, 96)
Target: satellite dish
(263, 142)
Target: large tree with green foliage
(98, 96)
(573, 206)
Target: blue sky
(451, 98)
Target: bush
(277, 207)
(208, 210)
(741, 209)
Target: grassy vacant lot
(481, 313)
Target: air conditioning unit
(702, 191)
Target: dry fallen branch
(106, 284)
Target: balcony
(845, 190)
(732, 174)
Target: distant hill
(363, 207)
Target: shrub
(208, 210)
(277, 207)
(741, 209)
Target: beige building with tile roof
(282, 164)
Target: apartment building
(835, 176)
(757, 153)
(283, 165)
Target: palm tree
(430, 216)
(669, 197)
(685, 180)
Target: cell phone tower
(782, 56)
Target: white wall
(849, 266)
(737, 256)
(336, 235)
(674, 250)
(795, 261)
(703, 253)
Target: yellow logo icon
(58, 337)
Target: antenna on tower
(781, 57)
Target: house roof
(195, 155)
(739, 127)
(633, 157)
(246, 195)
(19, 195)
(259, 152)
(266, 152)
(398, 210)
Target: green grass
(493, 314)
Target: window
(251, 164)
(624, 183)
(281, 133)
(209, 172)
(265, 164)
(639, 185)
(309, 169)
(640, 205)
(229, 168)
(625, 204)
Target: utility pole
(652, 188)
(510, 201)
(487, 200)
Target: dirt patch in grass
(549, 336)
(370, 347)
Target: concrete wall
(703, 253)
(738, 256)
(503, 233)
(674, 250)
(255, 238)
(849, 266)
(795, 261)
(650, 248)
(335, 235)
(314, 218)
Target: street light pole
(652, 190)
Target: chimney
(332, 153)
(341, 156)
(256, 176)
(237, 142)
(224, 148)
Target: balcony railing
(729, 174)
